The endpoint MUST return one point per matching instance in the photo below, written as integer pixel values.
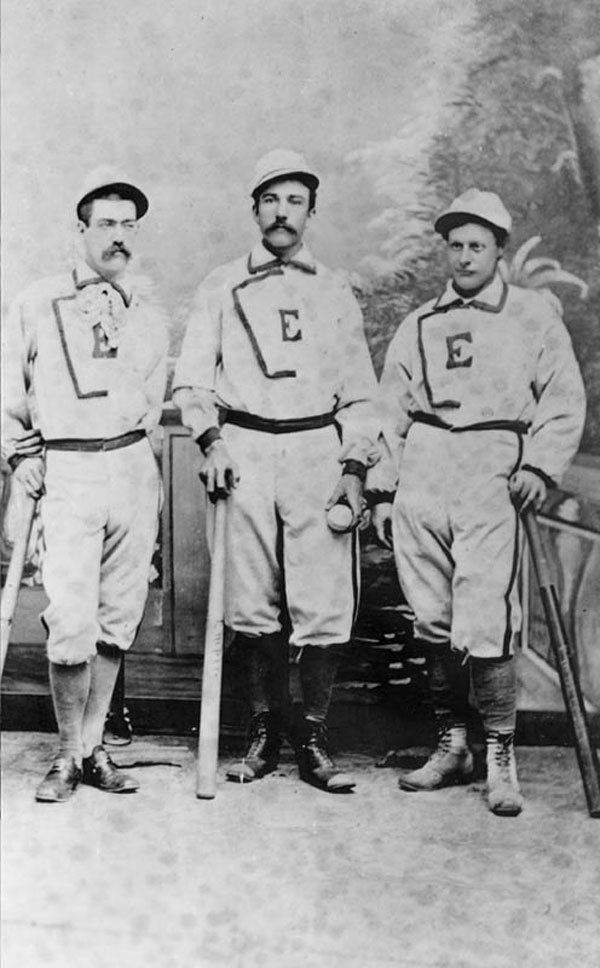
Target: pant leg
(422, 534)
(130, 537)
(320, 566)
(486, 548)
(73, 514)
(252, 580)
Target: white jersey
(504, 355)
(281, 341)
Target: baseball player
(84, 362)
(276, 384)
(484, 408)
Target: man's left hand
(527, 490)
(349, 490)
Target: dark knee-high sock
(318, 667)
(495, 689)
(70, 686)
(449, 685)
(267, 672)
(104, 669)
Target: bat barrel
(208, 740)
(565, 661)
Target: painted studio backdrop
(401, 105)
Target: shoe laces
(445, 744)
(258, 735)
(60, 763)
(502, 749)
(316, 743)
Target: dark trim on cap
(311, 181)
(124, 189)
(453, 220)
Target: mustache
(280, 224)
(114, 249)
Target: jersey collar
(260, 260)
(84, 276)
(494, 294)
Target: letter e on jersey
(456, 350)
(290, 330)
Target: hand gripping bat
(208, 740)
(571, 689)
(10, 592)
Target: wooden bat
(569, 681)
(208, 740)
(10, 592)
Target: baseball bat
(208, 739)
(10, 592)
(563, 653)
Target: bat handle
(208, 739)
(539, 555)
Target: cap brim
(308, 179)
(452, 220)
(125, 190)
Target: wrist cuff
(355, 467)
(379, 497)
(539, 473)
(207, 438)
(14, 461)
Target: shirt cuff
(379, 497)
(209, 436)
(14, 460)
(548, 481)
(355, 467)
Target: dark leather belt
(96, 443)
(516, 426)
(251, 421)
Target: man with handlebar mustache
(276, 384)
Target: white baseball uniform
(278, 352)
(84, 361)
(472, 390)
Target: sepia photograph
(300, 484)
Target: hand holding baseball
(340, 518)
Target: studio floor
(279, 874)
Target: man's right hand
(381, 519)
(30, 474)
(29, 444)
(219, 473)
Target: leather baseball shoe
(99, 771)
(316, 765)
(447, 765)
(262, 753)
(60, 781)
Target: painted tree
(512, 130)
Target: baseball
(340, 517)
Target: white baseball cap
(486, 207)
(104, 178)
(282, 163)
